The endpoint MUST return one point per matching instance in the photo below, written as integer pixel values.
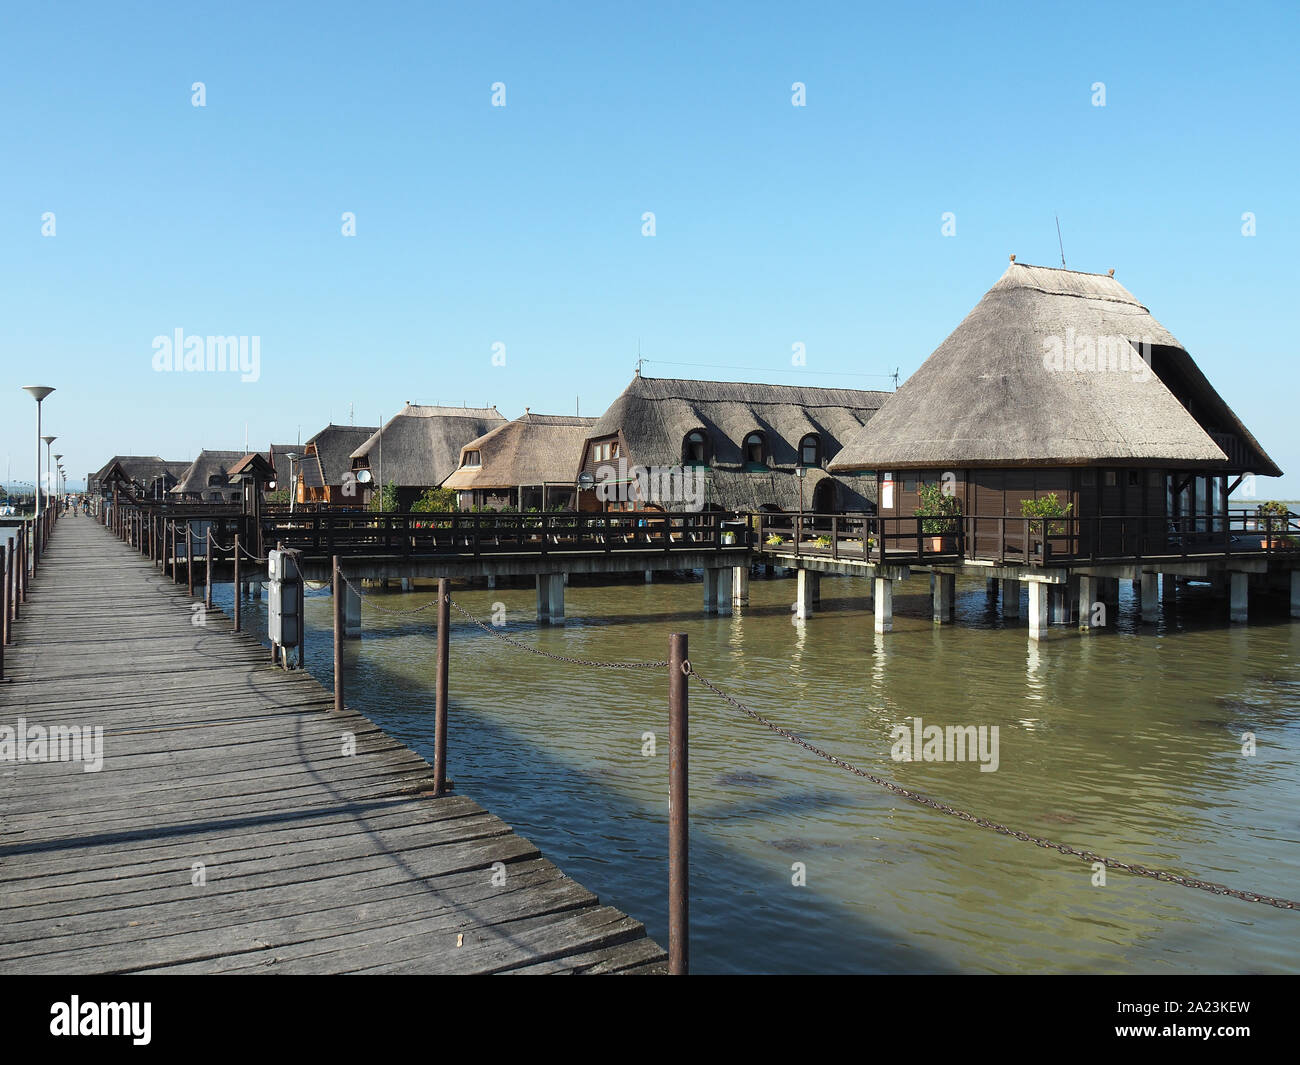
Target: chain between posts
(934, 804)
(897, 789)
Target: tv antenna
(1059, 242)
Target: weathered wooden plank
(316, 861)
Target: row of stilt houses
(1060, 439)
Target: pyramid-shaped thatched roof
(420, 445)
(532, 450)
(992, 395)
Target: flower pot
(938, 545)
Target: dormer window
(756, 449)
(695, 449)
(473, 458)
(810, 452)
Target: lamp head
(37, 392)
(49, 440)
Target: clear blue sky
(522, 225)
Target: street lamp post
(58, 485)
(38, 393)
(292, 456)
(49, 473)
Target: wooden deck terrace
(231, 829)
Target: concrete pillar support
(1295, 593)
(1089, 601)
(884, 603)
(806, 587)
(1239, 596)
(943, 597)
(740, 585)
(1149, 586)
(717, 590)
(351, 613)
(550, 599)
(1037, 609)
(1010, 598)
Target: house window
(1110, 478)
(755, 448)
(694, 449)
(810, 450)
(473, 458)
(1133, 479)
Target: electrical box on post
(284, 622)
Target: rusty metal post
(207, 576)
(189, 563)
(338, 635)
(237, 596)
(302, 613)
(5, 558)
(678, 809)
(440, 690)
(9, 589)
(23, 535)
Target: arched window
(695, 448)
(810, 450)
(756, 449)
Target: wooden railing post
(189, 563)
(678, 807)
(207, 562)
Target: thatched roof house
(207, 478)
(145, 476)
(1059, 382)
(746, 439)
(420, 446)
(325, 469)
(529, 462)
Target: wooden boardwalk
(227, 830)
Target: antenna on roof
(639, 359)
(894, 375)
(1059, 241)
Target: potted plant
(775, 540)
(822, 541)
(938, 512)
(1273, 518)
(1046, 507)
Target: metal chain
(547, 654)
(916, 797)
(389, 610)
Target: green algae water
(1127, 743)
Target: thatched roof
(279, 458)
(420, 446)
(655, 414)
(328, 454)
(253, 465)
(141, 471)
(210, 472)
(986, 398)
(533, 450)
(737, 490)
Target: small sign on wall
(887, 491)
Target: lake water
(1126, 742)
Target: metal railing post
(237, 589)
(678, 808)
(440, 690)
(338, 635)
